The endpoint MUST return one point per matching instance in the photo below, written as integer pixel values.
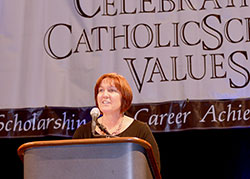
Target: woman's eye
(100, 90)
(112, 90)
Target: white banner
(52, 52)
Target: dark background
(220, 153)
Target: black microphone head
(95, 113)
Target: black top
(136, 129)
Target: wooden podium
(104, 158)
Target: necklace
(116, 131)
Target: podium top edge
(21, 150)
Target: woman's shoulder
(84, 126)
(136, 127)
(139, 124)
(82, 130)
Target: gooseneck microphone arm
(103, 128)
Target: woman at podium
(113, 96)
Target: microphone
(95, 113)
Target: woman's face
(109, 97)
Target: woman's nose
(105, 93)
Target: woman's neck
(110, 120)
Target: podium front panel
(90, 161)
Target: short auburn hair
(121, 84)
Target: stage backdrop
(187, 62)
